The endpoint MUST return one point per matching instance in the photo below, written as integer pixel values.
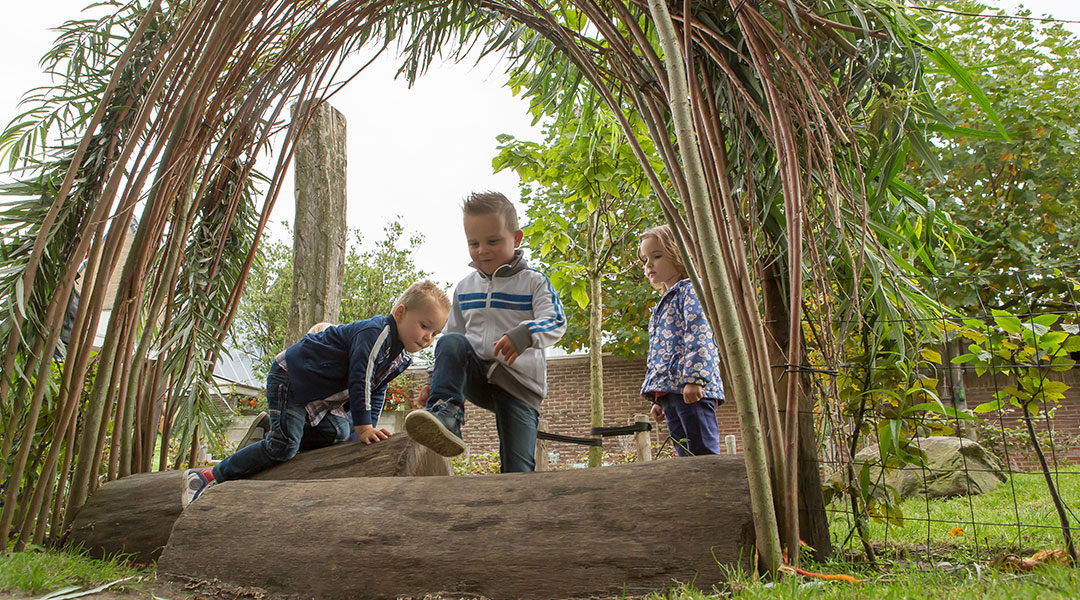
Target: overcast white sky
(414, 152)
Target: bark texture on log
(132, 515)
(135, 515)
(614, 531)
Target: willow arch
(777, 129)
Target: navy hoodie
(361, 357)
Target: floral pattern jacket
(681, 346)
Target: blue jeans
(289, 432)
(695, 423)
(459, 374)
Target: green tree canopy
(579, 173)
(1017, 196)
(374, 278)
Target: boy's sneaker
(438, 428)
(256, 432)
(196, 481)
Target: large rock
(955, 466)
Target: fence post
(541, 453)
(642, 439)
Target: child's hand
(368, 434)
(421, 398)
(691, 393)
(507, 348)
(657, 412)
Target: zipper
(489, 336)
(489, 324)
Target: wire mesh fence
(966, 443)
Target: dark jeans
(695, 423)
(289, 432)
(459, 374)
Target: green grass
(902, 583)
(906, 569)
(922, 559)
(977, 527)
(36, 570)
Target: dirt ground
(194, 590)
(152, 589)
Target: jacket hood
(516, 265)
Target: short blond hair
(420, 292)
(316, 328)
(492, 203)
(662, 233)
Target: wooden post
(642, 439)
(729, 443)
(541, 453)
(319, 225)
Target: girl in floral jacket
(682, 375)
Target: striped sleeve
(362, 390)
(549, 319)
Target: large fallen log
(135, 515)
(614, 531)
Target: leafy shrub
(480, 463)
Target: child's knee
(280, 448)
(342, 433)
(452, 342)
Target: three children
(682, 376)
(501, 317)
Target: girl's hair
(667, 242)
(421, 291)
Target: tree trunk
(319, 235)
(58, 499)
(611, 532)
(135, 514)
(729, 332)
(813, 520)
(135, 393)
(95, 415)
(542, 445)
(596, 361)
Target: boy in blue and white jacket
(502, 317)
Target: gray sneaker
(256, 432)
(438, 428)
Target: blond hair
(662, 233)
(316, 328)
(488, 203)
(420, 292)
